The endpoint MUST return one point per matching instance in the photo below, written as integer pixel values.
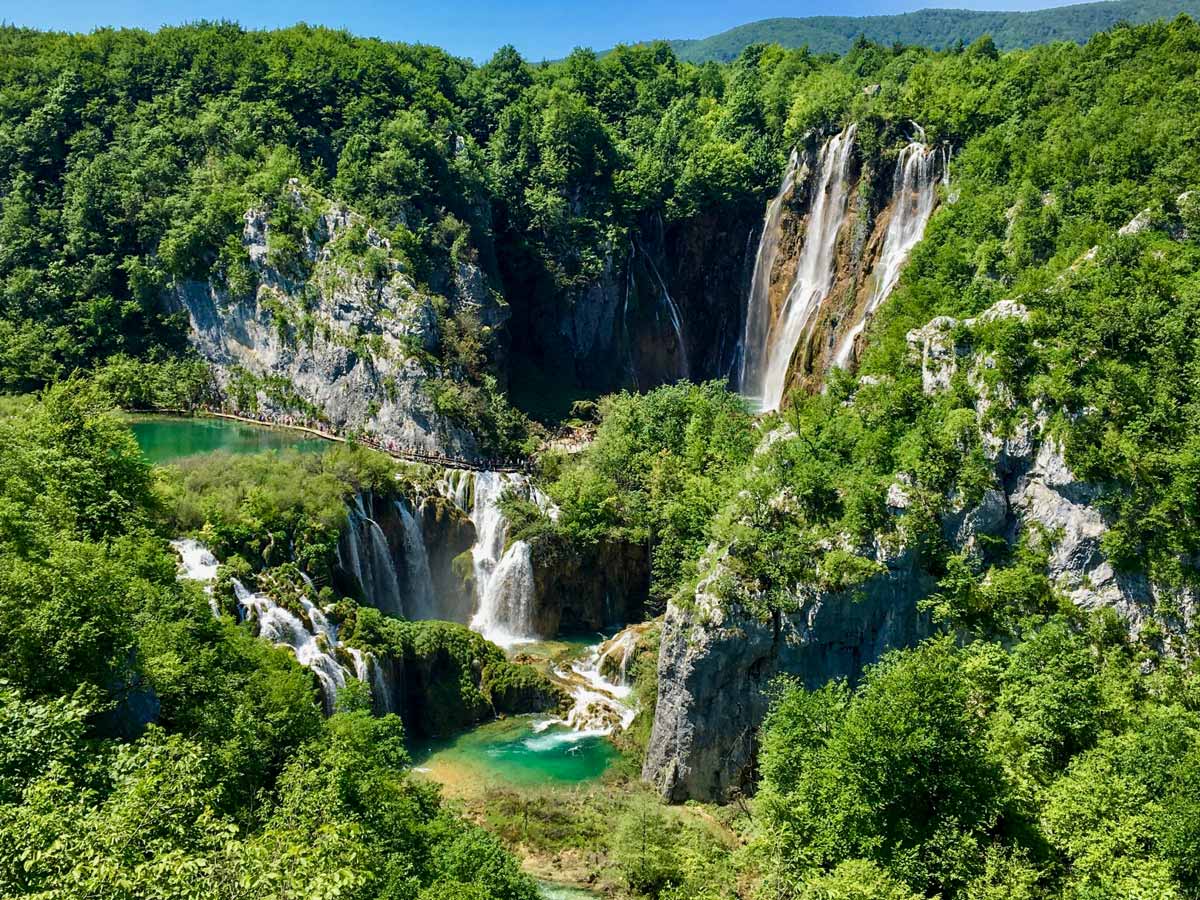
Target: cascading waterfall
(313, 639)
(198, 565)
(914, 194)
(602, 704)
(421, 603)
(313, 648)
(814, 276)
(758, 307)
(504, 588)
(368, 557)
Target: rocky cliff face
(338, 331)
(716, 662)
(667, 305)
(716, 659)
(579, 589)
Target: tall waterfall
(758, 308)
(421, 603)
(914, 193)
(504, 588)
(767, 363)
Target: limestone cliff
(716, 660)
(579, 589)
(336, 329)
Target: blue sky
(474, 28)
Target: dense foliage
(128, 161)
(1047, 770)
(659, 469)
(239, 788)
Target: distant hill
(936, 28)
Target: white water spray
(758, 308)
(914, 194)
(198, 565)
(602, 703)
(814, 274)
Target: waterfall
(505, 614)
(421, 603)
(914, 193)
(673, 313)
(758, 305)
(313, 639)
(368, 671)
(198, 565)
(503, 579)
(457, 485)
(601, 705)
(767, 379)
(370, 561)
(312, 645)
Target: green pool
(165, 439)
(513, 753)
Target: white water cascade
(602, 703)
(768, 363)
(504, 589)
(914, 194)
(198, 565)
(313, 639)
(421, 603)
(758, 308)
(366, 555)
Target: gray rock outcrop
(343, 335)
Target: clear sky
(540, 29)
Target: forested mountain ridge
(936, 28)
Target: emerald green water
(166, 439)
(508, 753)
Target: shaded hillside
(935, 28)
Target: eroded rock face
(667, 304)
(331, 334)
(716, 662)
(716, 659)
(582, 589)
